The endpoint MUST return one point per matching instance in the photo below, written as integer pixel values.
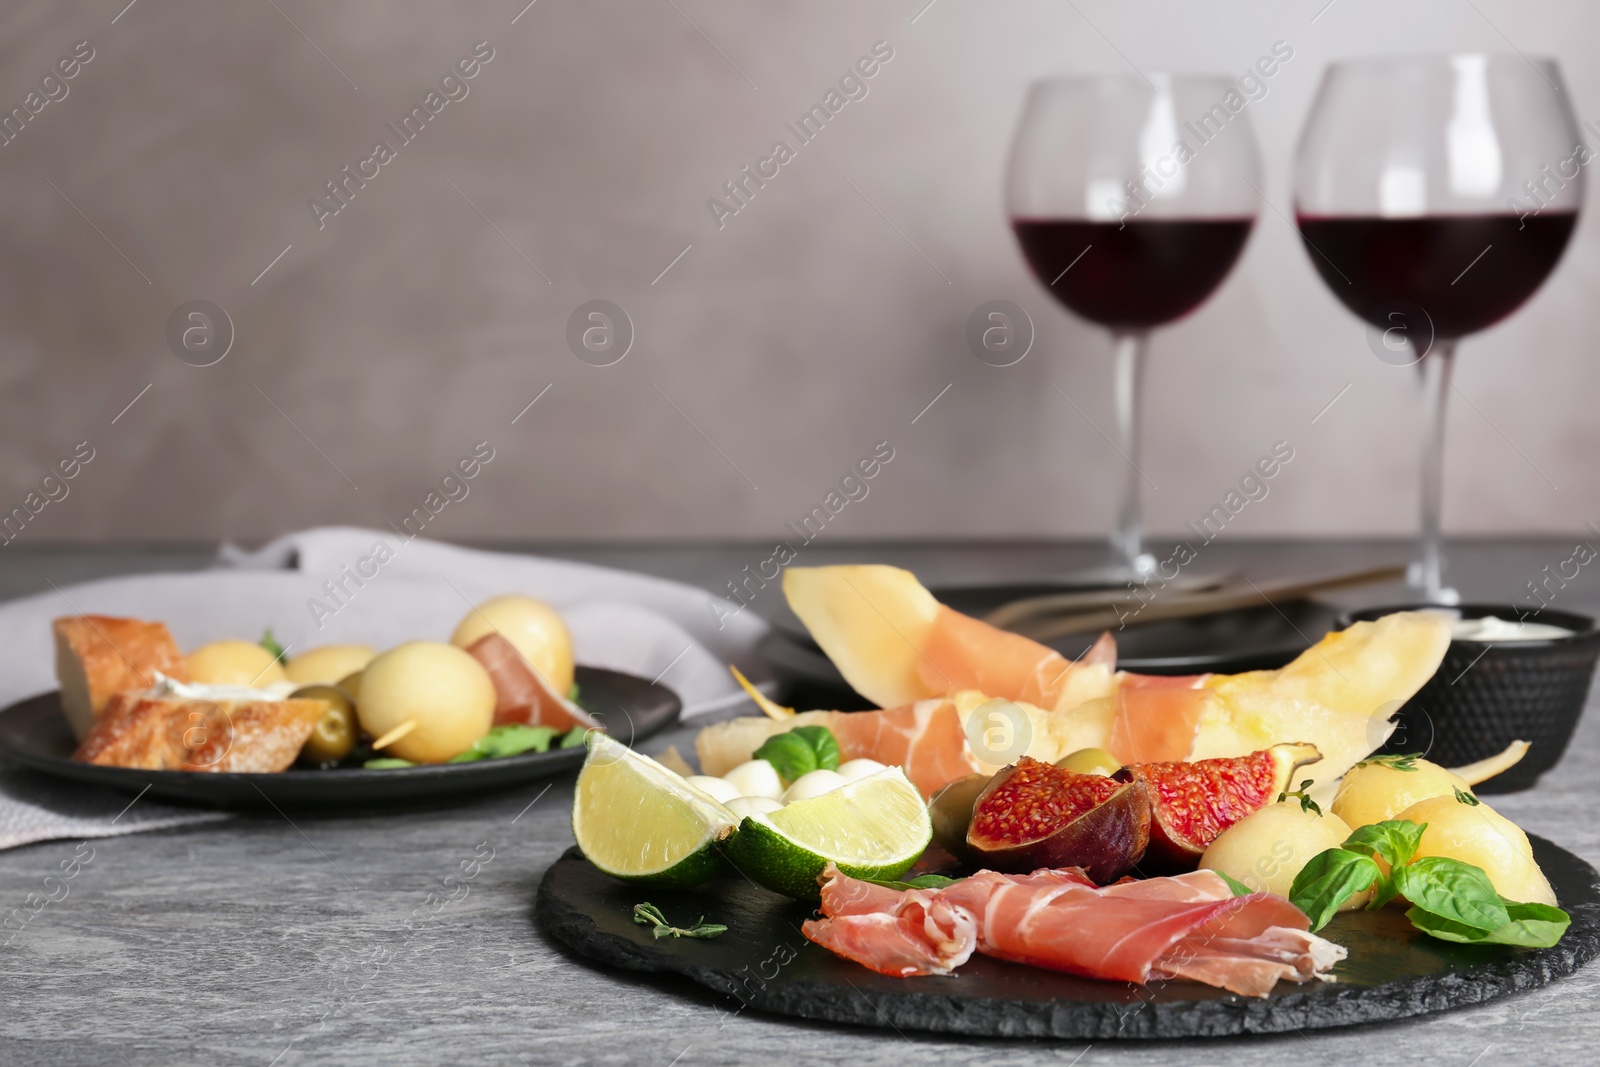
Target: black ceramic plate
(1393, 971)
(35, 733)
(1224, 642)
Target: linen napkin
(337, 585)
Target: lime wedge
(875, 827)
(636, 820)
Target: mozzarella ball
(328, 664)
(234, 663)
(756, 778)
(445, 691)
(743, 806)
(857, 769)
(533, 628)
(715, 788)
(813, 784)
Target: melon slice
(1340, 694)
(872, 622)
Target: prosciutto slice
(1190, 926)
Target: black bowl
(1485, 696)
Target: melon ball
(1267, 849)
(1481, 836)
(328, 664)
(445, 691)
(533, 628)
(234, 663)
(1375, 791)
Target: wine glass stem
(1129, 351)
(1436, 367)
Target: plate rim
(181, 785)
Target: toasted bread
(187, 734)
(99, 656)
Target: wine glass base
(1444, 596)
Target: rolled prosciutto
(1189, 926)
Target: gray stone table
(264, 941)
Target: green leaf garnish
(1450, 900)
(1331, 878)
(1407, 762)
(1238, 887)
(511, 739)
(1394, 841)
(800, 751)
(575, 737)
(1451, 890)
(270, 643)
(1463, 797)
(1306, 803)
(648, 914)
(921, 881)
(387, 763)
(573, 693)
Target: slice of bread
(188, 734)
(99, 656)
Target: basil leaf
(1331, 878)
(790, 755)
(1394, 841)
(1452, 890)
(1531, 926)
(1238, 887)
(823, 743)
(1445, 929)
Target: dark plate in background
(1393, 972)
(1226, 642)
(35, 733)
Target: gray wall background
(820, 320)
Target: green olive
(334, 735)
(1090, 761)
(950, 810)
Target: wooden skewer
(394, 735)
(773, 709)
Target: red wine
(1466, 271)
(1136, 274)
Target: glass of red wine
(1435, 194)
(1132, 198)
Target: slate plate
(1393, 972)
(34, 732)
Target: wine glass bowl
(1434, 195)
(1132, 199)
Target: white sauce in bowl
(1491, 630)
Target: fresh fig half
(950, 810)
(1194, 802)
(1033, 815)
